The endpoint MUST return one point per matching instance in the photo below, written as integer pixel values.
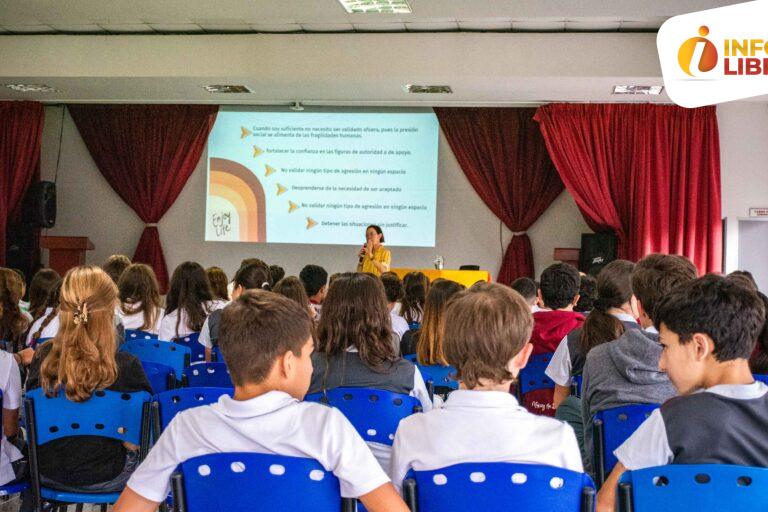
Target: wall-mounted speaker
(597, 250)
(39, 205)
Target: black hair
(393, 286)
(254, 276)
(526, 287)
(314, 278)
(559, 285)
(587, 294)
(720, 307)
(758, 363)
(277, 272)
(378, 231)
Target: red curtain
(503, 155)
(146, 153)
(21, 134)
(650, 173)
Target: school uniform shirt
(273, 423)
(136, 320)
(399, 325)
(167, 329)
(724, 424)
(209, 334)
(481, 426)
(567, 362)
(317, 308)
(10, 384)
(50, 330)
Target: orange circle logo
(688, 50)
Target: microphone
(360, 260)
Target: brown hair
(614, 289)
(81, 359)
(429, 344)
(219, 282)
(355, 314)
(53, 303)
(115, 266)
(138, 285)
(658, 274)
(190, 291)
(416, 287)
(12, 322)
(40, 289)
(256, 329)
(485, 327)
(293, 288)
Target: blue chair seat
(161, 352)
(208, 375)
(161, 377)
(138, 334)
(760, 378)
(170, 403)
(77, 497)
(197, 351)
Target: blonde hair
(429, 344)
(82, 355)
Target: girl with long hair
(218, 279)
(427, 341)
(40, 288)
(81, 359)
(13, 322)
(46, 324)
(293, 288)
(416, 287)
(139, 295)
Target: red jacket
(550, 327)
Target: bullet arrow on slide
(256, 151)
(270, 170)
(245, 132)
(310, 223)
(292, 207)
(280, 189)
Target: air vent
(227, 89)
(380, 6)
(30, 87)
(427, 89)
(638, 89)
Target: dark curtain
(21, 133)
(650, 173)
(146, 153)
(503, 154)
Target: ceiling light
(227, 89)
(654, 90)
(30, 87)
(381, 6)
(428, 89)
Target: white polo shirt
(136, 320)
(10, 384)
(399, 326)
(167, 329)
(50, 330)
(273, 423)
(559, 367)
(481, 426)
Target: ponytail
(614, 289)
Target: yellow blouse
(382, 255)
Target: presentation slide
(322, 177)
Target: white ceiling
(285, 16)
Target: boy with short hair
(487, 329)
(529, 290)
(626, 371)
(266, 341)
(708, 329)
(315, 280)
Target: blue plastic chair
(161, 352)
(161, 376)
(256, 481)
(438, 379)
(414, 325)
(170, 403)
(700, 487)
(197, 351)
(374, 413)
(576, 382)
(610, 428)
(40, 341)
(532, 377)
(110, 414)
(208, 375)
(8, 489)
(499, 487)
(138, 334)
(216, 354)
(760, 378)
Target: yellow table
(465, 277)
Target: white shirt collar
(651, 329)
(259, 406)
(470, 398)
(739, 391)
(624, 317)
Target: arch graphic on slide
(238, 185)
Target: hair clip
(81, 314)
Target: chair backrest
(161, 377)
(155, 351)
(109, 414)
(610, 428)
(760, 378)
(499, 486)
(40, 341)
(208, 375)
(138, 334)
(694, 487)
(414, 325)
(576, 383)
(197, 351)
(374, 413)
(170, 403)
(532, 377)
(254, 481)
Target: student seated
(393, 288)
(188, 303)
(140, 304)
(276, 272)
(529, 290)
(487, 329)
(218, 280)
(354, 346)
(45, 322)
(80, 360)
(249, 277)
(315, 280)
(115, 266)
(626, 371)
(559, 293)
(707, 329)
(293, 288)
(587, 294)
(415, 289)
(266, 340)
(427, 341)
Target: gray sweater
(622, 372)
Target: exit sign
(758, 212)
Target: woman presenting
(374, 257)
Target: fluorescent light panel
(380, 6)
(427, 89)
(227, 89)
(653, 90)
(30, 87)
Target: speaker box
(39, 206)
(597, 250)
